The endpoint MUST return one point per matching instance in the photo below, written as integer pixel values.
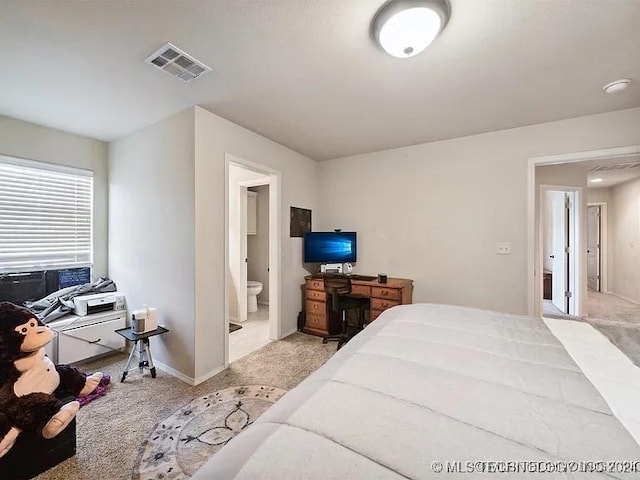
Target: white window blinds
(45, 216)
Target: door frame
(534, 272)
(275, 247)
(242, 287)
(604, 268)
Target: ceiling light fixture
(617, 86)
(404, 28)
(596, 180)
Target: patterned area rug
(183, 442)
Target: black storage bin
(31, 455)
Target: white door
(560, 245)
(593, 248)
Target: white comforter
(427, 386)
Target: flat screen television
(330, 247)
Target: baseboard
(286, 334)
(173, 372)
(207, 376)
(185, 378)
(625, 298)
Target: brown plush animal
(28, 378)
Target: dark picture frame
(300, 222)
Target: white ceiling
(616, 176)
(306, 74)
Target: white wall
(625, 236)
(35, 142)
(151, 225)
(216, 137)
(258, 245)
(167, 224)
(596, 195)
(434, 212)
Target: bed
(437, 391)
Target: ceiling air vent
(619, 166)
(174, 61)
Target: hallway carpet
(604, 306)
(616, 318)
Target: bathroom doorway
(252, 284)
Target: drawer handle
(95, 341)
(384, 293)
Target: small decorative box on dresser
(318, 318)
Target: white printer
(98, 302)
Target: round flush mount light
(404, 28)
(596, 180)
(617, 86)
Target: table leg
(142, 360)
(126, 369)
(152, 367)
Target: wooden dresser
(318, 317)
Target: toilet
(253, 290)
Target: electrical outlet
(503, 248)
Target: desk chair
(337, 288)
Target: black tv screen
(330, 247)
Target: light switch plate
(503, 248)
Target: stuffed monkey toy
(28, 379)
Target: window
(46, 216)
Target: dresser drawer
(382, 303)
(317, 322)
(385, 292)
(317, 295)
(315, 284)
(316, 308)
(363, 290)
(374, 314)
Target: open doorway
(607, 278)
(252, 286)
(561, 240)
(609, 282)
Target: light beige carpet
(112, 429)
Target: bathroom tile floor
(253, 335)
